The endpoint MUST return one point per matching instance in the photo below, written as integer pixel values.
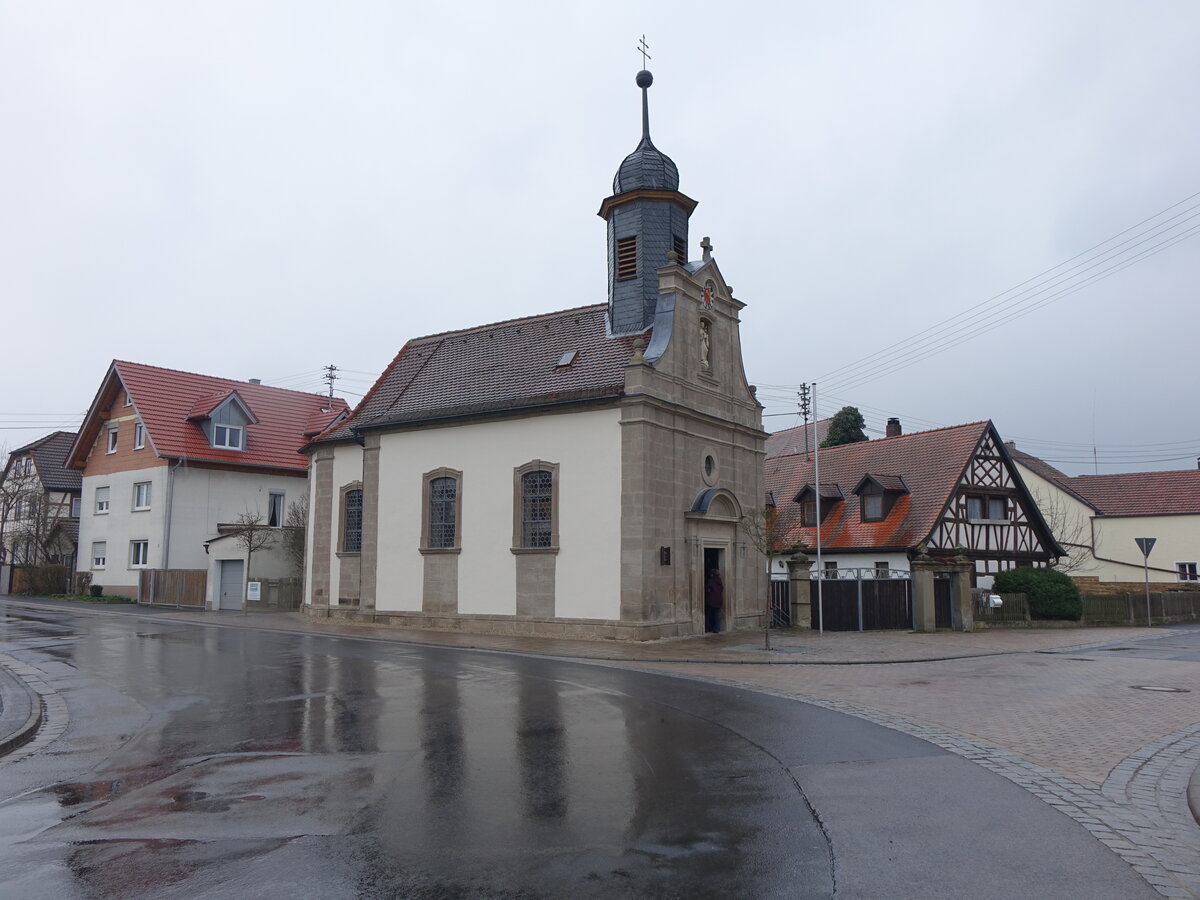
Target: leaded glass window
(352, 523)
(537, 509)
(443, 497)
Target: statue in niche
(705, 345)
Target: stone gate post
(924, 608)
(800, 589)
(962, 613)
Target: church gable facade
(575, 473)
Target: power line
(1029, 295)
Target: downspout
(166, 561)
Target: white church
(572, 474)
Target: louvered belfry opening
(680, 247)
(626, 258)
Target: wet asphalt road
(207, 761)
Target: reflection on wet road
(211, 761)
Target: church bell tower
(647, 220)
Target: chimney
(893, 428)
(255, 381)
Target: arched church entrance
(712, 539)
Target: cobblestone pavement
(1076, 728)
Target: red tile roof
(1141, 493)
(505, 366)
(930, 462)
(796, 440)
(165, 398)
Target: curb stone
(20, 726)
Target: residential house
(573, 473)
(950, 490)
(167, 457)
(39, 506)
(1097, 518)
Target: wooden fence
(181, 588)
(1130, 608)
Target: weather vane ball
(644, 79)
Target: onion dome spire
(646, 166)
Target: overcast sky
(260, 189)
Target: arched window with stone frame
(351, 506)
(441, 504)
(535, 507)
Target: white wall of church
(587, 448)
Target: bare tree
(252, 536)
(766, 534)
(295, 525)
(1071, 527)
(25, 517)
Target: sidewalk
(731, 648)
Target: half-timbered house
(954, 491)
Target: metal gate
(781, 604)
(862, 599)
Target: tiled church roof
(506, 366)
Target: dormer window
(831, 496)
(877, 494)
(227, 437)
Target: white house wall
(122, 524)
(1177, 540)
(587, 567)
(894, 561)
(204, 498)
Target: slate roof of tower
(1141, 493)
(930, 462)
(646, 167)
(49, 459)
(164, 399)
(503, 367)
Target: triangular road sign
(1145, 545)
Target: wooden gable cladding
(992, 515)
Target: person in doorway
(714, 599)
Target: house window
(99, 554)
(139, 554)
(990, 509)
(76, 507)
(139, 436)
(626, 258)
(352, 503)
(535, 507)
(112, 440)
(27, 465)
(1187, 571)
(227, 437)
(872, 507)
(275, 509)
(141, 495)
(101, 500)
(831, 569)
(128, 399)
(809, 512)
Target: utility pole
(330, 377)
(817, 479)
(804, 411)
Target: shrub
(1052, 595)
(96, 590)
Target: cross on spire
(642, 48)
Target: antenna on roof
(330, 377)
